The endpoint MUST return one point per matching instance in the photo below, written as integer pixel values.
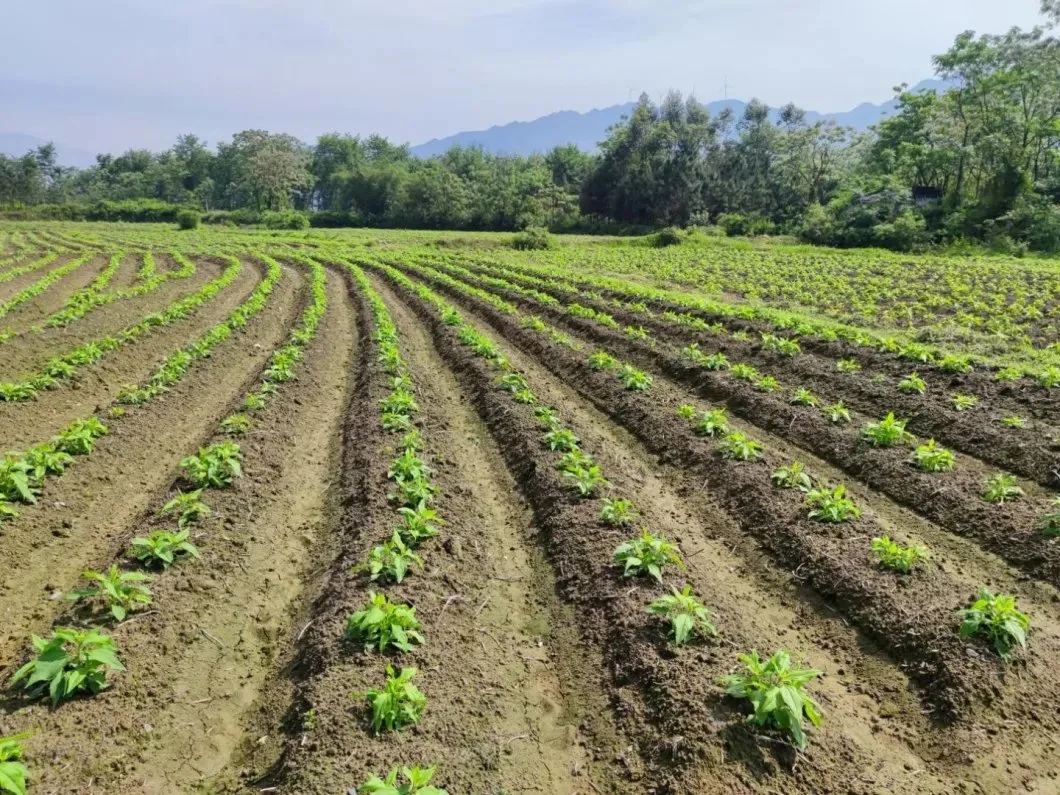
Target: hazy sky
(111, 74)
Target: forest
(979, 161)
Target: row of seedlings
(23, 475)
(996, 618)
(927, 457)
(63, 368)
(77, 660)
(382, 625)
(773, 686)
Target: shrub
(188, 219)
(670, 236)
(285, 219)
(533, 238)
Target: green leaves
(686, 614)
(80, 437)
(647, 555)
(383, 624)
(775, 690)
(712, 423)
(69, 662)
(888, 432)
(398, 704)
(997, 618)
(793, 476)
(913, 384)
(831, 505)
(390, 562)
(895, 556)
(121, 590)
(633, 379)
(738, 447)
(162, 548)
(931, 458)
(618, 513)
(1001, 488)
(215, 466)
(417, 782)
(188, 507)
(13, 773)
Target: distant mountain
(585, 130)
(17, 144)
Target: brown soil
(37, 309)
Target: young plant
(804, 397)
(648, 554)
(1008, 374)
(887, 432)
(80, 437)
(738, 447)
(847, 366)
(8, 512)
(744, 372)
(775, 689)
(586, 479)
(633, 379)
(837, 413)
(417, 524)
(895, 556)
(931, 458)
(390, 562)
(956, 364)
(188, 507)
(398, 704)
(686, 411)
(618, 513)
(123, 591)
(13, 773)
(712, 423)
(408, 467)
(686, 614)
(215, 466)
(964, 402)
(235, 425)
(547, 416)
(254, 402)
(1014, 422)
(417, 782)
(912, 384)
(997, 618)
(767, 383)
(793, 477)
(46, 460)
(69, 662)
(1001, 488)
(1049, 524)
(715, 361)
(602, 360)
(831, 505)
(561, 440)
(383, 624)
(16, 480)
(161, 548)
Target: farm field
(284, 511)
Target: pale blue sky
(111, 74)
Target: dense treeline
(979, 160)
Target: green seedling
(767, 383)
(686, 614)
(123, 591)
(912, 384)
(712, 423)
(633, 379)
(398, 704)
(561, 440)
(831, 505)
(235, 425)
(931, 458)
(602, 360)
(997, 618)
(417, 782)
(847, 366)
(187, 506)
(793, 476)
(161, 548)
(744, 372)
(391, 561)
(71, 661)
(1014, 422)
(618, 513)
(1049, 524)
(215, 466)
(686, 411)
(649, 554)
(893, 555)
(837, 413)
(888, 432)
(738, 447)
(804, 397)
(417, 524)
(80, 437)
(775, 689)
(382, 625)
(1001, 488)
(13, 774)
(964, 402)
